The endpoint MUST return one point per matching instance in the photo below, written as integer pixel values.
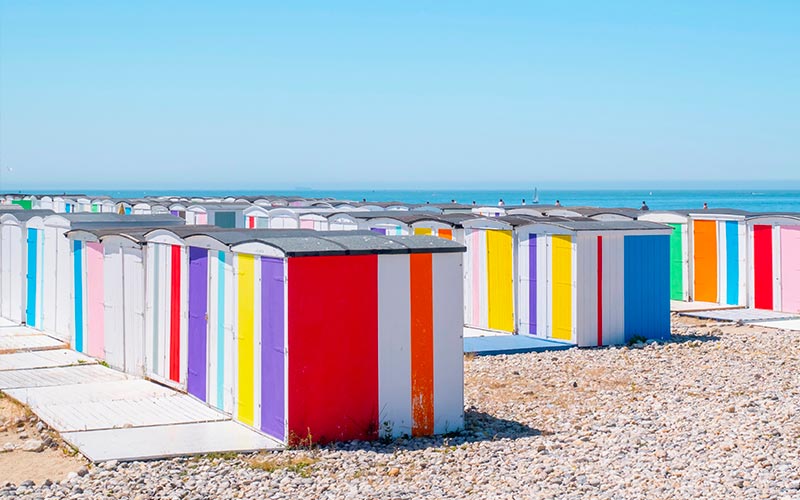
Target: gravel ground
(711, 414)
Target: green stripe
(676, 262)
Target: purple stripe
(532, 284)
(198, 322)
(272, 348)
(378, 230)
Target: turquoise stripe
(732, 257)
(77, 257)
(221, 330)
(156, 304)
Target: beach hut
(256, 216)
(226, 215)
(399, 315)
(57, 300)
(456, 221)
(679, 250)
(488, 211)
(773, 271)
(18, 267)
(342, 222)
(719, 256)
(581, 281)
(283, 218)
(394, 223)
(592, 283)
(489, 272)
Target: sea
(757, 201)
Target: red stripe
(599, 290)
(333, 338)
(175, 316)
(762, 254)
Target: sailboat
(535, 196)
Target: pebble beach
(709, 414)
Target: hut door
(198, 322)
(30, 309)
(705, 260)
(114, 339)
(676, 262)
(273, 398)
(762, 256)
(790, 269)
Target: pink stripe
(307, 224)
(94, 299)
(476, 279)
(790, 268)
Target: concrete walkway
(491, 342)
(107, 414)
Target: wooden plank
(147, 443)
(17, 331)
(42, 359)
(91, 391)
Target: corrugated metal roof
(89, 220)
(28, 214)
(403, 216)
(596, 225)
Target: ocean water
(757, 201)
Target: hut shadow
(478, 427)
(682, 339)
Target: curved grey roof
(24, 215)
(110, 220)
(407, 217)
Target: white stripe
(394, 345)
(257, 343)
(448, 344)
(613, 290)
(586, 295)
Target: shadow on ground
(478, 426)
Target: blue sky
(396, 94)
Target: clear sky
(141, 94)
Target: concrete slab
(43, 359)
(477, 332)
(146, 443)
(17, 330)
(6, 322)
(64, 375)
(787, 324)
(743, 315)
(90, 392)
(511, 344)
(15, 343)
(679, 306)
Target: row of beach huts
(337, 320)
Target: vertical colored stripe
(198, 323)
(175, 315)
(77, 257)
(446, 234)
(422, 344)
(378, 230)
(562, 286)
(762, 256)
(245, 337)
(705, 260)
(790, 269)
(646, 287)
(532, 285)
(475, 252)
(333, 373)
(676, 262)
(599, 290)
(425, 231)
(272, 349)
(732, 261)
(221, 330)
(30, 306)
(156, 303)
(499, 255)
(95, 310)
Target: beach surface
(711, 414)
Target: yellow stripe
(562, 287)
(499, 255)
(245, 339)
(423, 230)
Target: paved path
(107, 414)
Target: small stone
(39, 426)
(393, 472)
(83, 471)
(33, 445)
(110, 465)
(9, 447)
(72, 475)
(730, 409)
(27, 483)
(574, 384)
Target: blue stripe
(732, 252)
(77, 257)
(647, 287)
(30, 308)
(221, 330)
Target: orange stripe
(446, 234)
(422, 344)
(705, 260)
